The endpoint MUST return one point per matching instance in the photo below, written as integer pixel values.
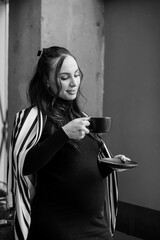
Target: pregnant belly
(79, 195)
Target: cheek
(64, 85)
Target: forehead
(69, 65)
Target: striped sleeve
(27, 129)
(111, 193)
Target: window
(4, 9)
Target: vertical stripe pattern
(111, 193)
(27, 130)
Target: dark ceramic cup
(100, 124)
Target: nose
(73, 81)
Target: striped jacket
(27, 130)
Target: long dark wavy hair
(39, 93)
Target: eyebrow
(69, 73)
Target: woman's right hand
(77, 128)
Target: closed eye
(77, 74)
(65, 76)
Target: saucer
(117, 163)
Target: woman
(59, 187)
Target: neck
(61, 101)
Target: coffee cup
(100, 124)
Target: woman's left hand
(123, 158)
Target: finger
(86, 123)
(82, 134)
(85, 118)
(121, 157)
(128, 159)
(87, 131)
(124, 158)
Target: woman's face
(69, 79)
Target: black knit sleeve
(104, 169)
(40, 154)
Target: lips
(72, 92)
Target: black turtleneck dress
(69, 199)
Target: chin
(70, 97)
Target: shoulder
(27, 111)
(28, 120)
(24, 111)
(25, 114)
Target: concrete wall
(132, 95)
(76, 25)
(24, 42)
